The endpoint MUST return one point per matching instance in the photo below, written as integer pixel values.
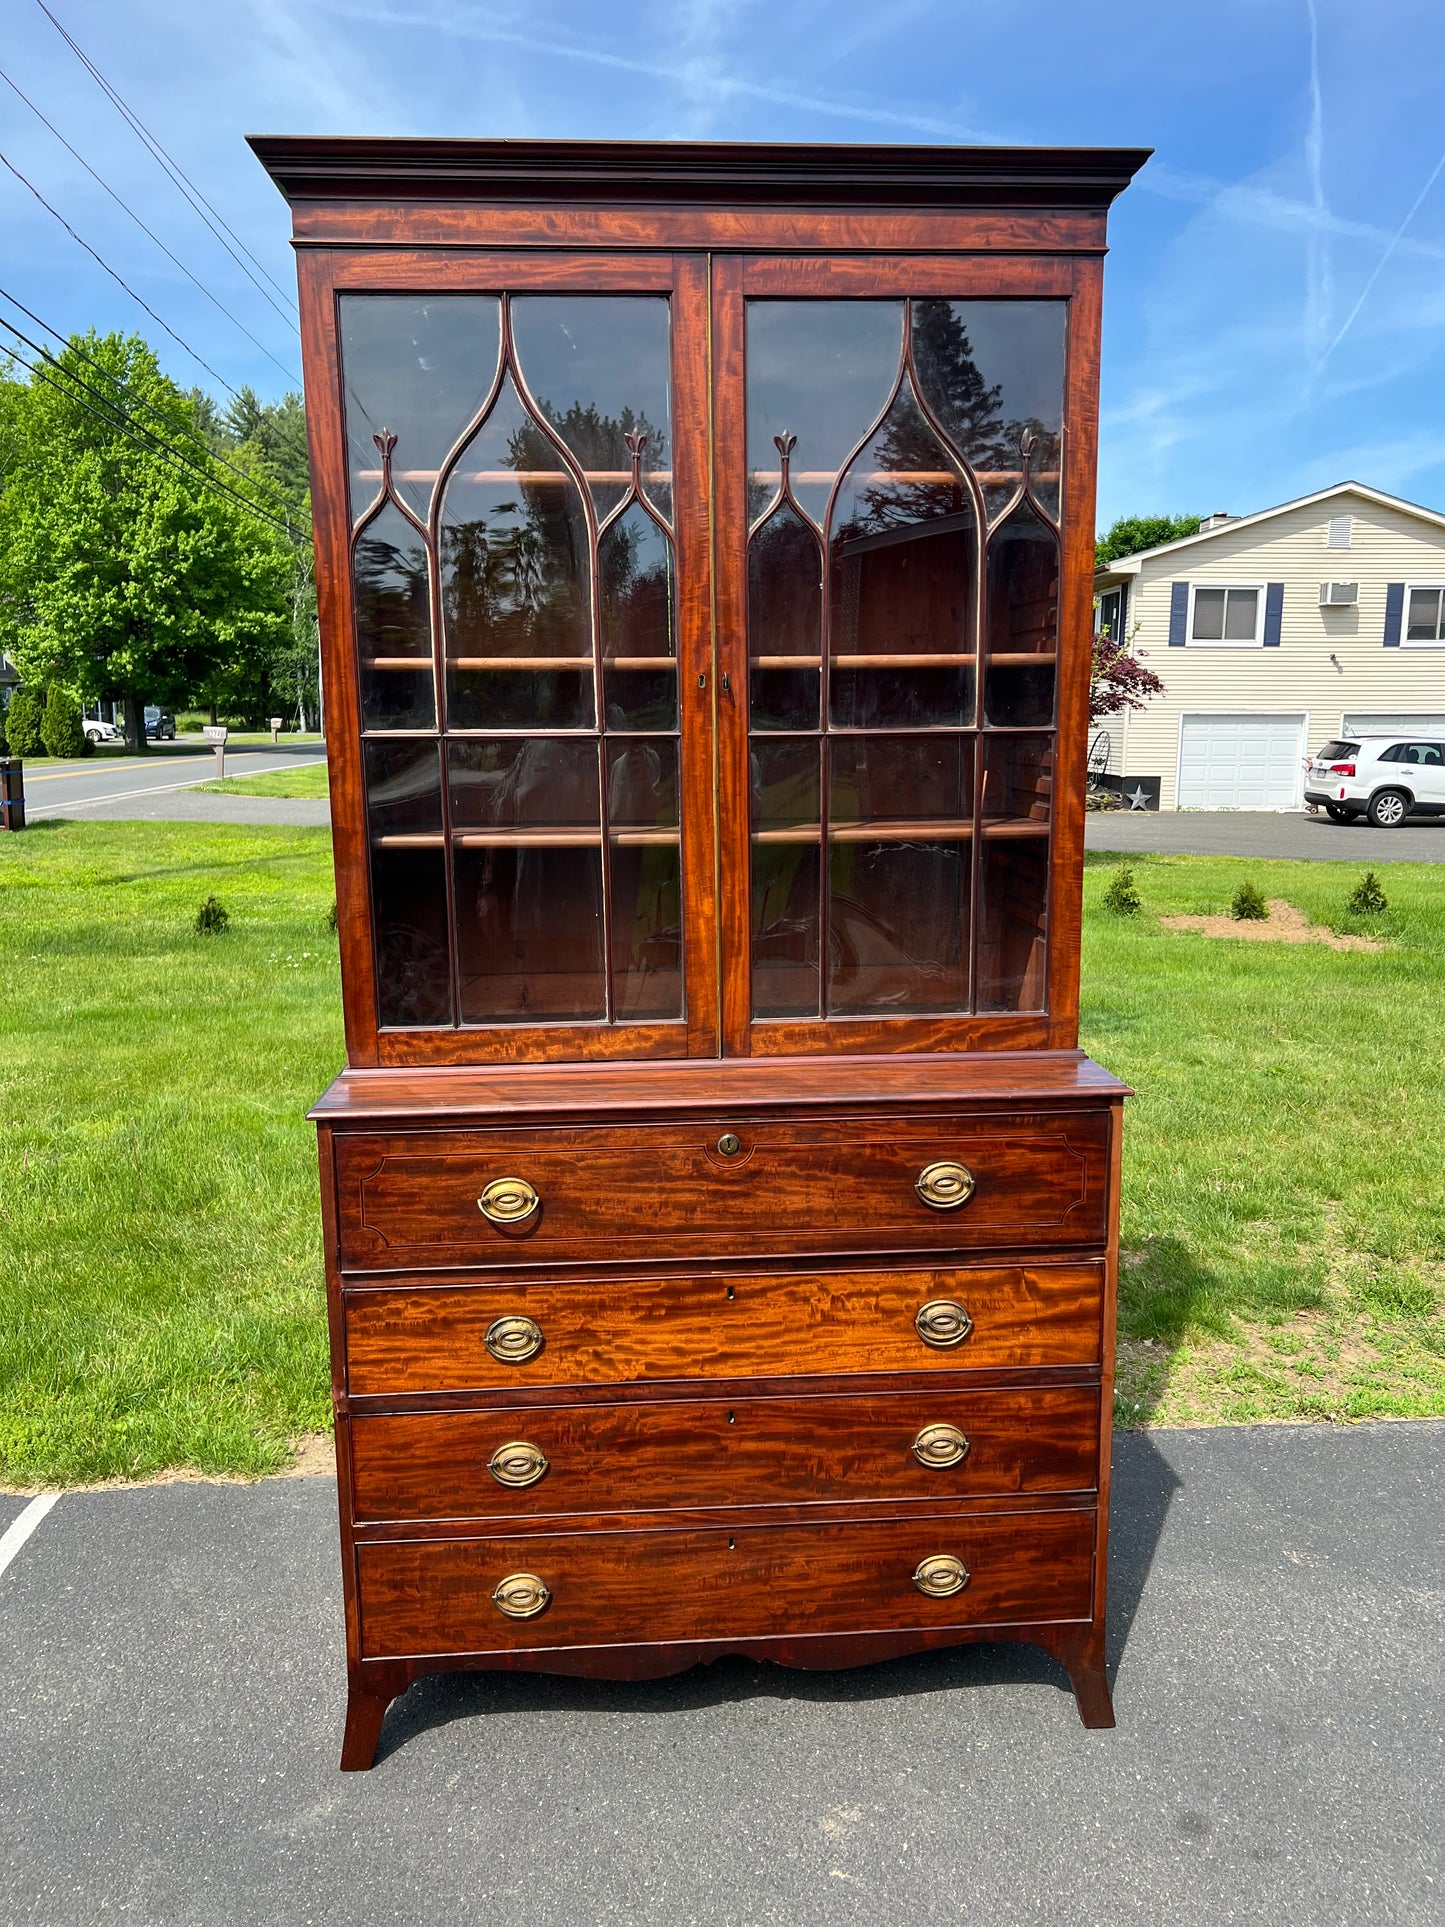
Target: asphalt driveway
(157, 787)
(1263, 833)
(171, 1700)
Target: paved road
(170, 1715)
(156, 786)
(1263, 833)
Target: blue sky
(1275, 310)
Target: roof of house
(1132, 564)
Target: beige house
(1272, 633)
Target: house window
(1111, 614)
(1230, 617)
(1340, 532)
(1424, 616)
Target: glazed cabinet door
(515, 605)
(904, 534)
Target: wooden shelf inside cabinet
(679, 1135)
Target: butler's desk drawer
(539, 1590)
(438, 1338)
(624, 1455)
(409, 1200)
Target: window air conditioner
(1339, 595)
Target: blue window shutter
(1178, 613)
(1273, 611)
(1394, 612)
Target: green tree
(1131, 533)
(124, 573)
(63, 731)
(23, 721)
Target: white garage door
(1240, 762)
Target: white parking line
(19, 1530)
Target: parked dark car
(161, 724)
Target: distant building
(1272, 633)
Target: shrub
(1367, 899)
(1248, 905)
(22, 724)
(212, 918)
(1121, 897)
(62, 728)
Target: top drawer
(408, 1200)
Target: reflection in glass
(529, 932)
(786, 793)
(515, 586)
(408, 883)
(991, 371)
(420, 366)
(393, 624)
(785, 929)
(637, 594)
(599, 369)
(534, 783)
(1012, 923)
(820, 371)
(893, 779)
(1018, 780)
(904, 555)
(1023, 621)
(785, 620)
(646, 929)
(898, 926)
(642, 783)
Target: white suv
(1382, 778)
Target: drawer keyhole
(729, 1144)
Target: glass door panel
(516, 603)
(903, 461)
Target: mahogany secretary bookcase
(720, 1217)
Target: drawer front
(436, 1596)
(435, 1338)
(705, 1452)
(412, 1200)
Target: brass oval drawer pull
(940, 1445)
(519, 1463)
(942, 1324)
(521, 1595)
(944, 1187)
(940, 1576)
(508, 1201)
(512, 1341)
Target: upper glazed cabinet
(707, 616)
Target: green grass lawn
(308, 780)
(161, 1294)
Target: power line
(150, 233)
(176, 174)
(117, 419)
(198, 359)
(150, 408)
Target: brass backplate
(940, 1576)
(942, 1324)
(940, 1445)
(508, 1201)
(521, 1595)
(512, 1341)
(518, 1463)
(944, 1187)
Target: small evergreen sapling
(1367, 899)
(212, 918)
(1249, 905)
(62, 727)
(1121, 897)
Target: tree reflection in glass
(393, 624)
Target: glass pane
(786, 792)
(785, 620)
(819, 370)
(641, 784)
(535, 783)
(529, 933)
(515, 580)
(990, 371)
(898, 925)
(408, 883)
(900, 779)
(638, 600)
(646, 929)
(1012, 922)
(420, 366)
(1208, 615)
(1022, 619)
(1241, 615)
(599, 368)
(393, 624)
(904, 557)
(1018, 782)
(785, 929)
(1424, 620)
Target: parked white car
(1385, 779)
(99, 732)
